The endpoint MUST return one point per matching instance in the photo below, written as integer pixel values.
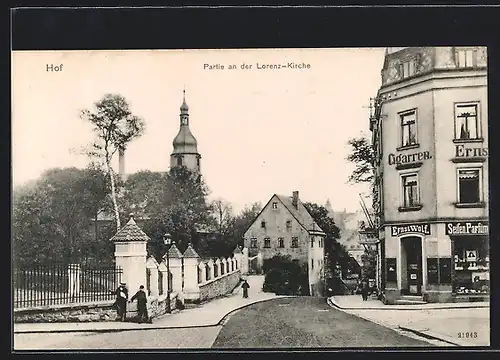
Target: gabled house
(284, 226)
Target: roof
(130, 232)
(173, 253)
(300, 214)
(190, 252)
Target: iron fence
(63, 284)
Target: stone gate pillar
(130, 254)
(244, 261)
(191, 287)
(175, 268)
(152, 266)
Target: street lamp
(167, 240)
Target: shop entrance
(411, 263)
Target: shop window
(432, 271)
(409, 128)
(391, 270)
(267, 242)
(445, 270)
(466, 122)
(295, 242)
(471, 265)
(469, 186)
(281, 242)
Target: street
(284, 322)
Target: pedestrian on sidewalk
(245, 286)
(121, 301)
(142, 302)
(364, 290)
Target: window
(312, 241)
(198, 162)
(312, 263)
(179, 161)
(468, 186)
(281, 242)
(275, 205)
(409, 128)
(263, 224)
(267, 242)
(408, 68)
(410, 190)
(253, 242)
(466, 124)
(295, 242)
(289, 225)
(465, 58)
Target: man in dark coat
(245, 286)
(364, 290)
(142, 300)
(121, 301)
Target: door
(413, 247)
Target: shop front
(470, 249)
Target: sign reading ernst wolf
(467, 228)
(397, 230)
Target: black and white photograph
(280, 198)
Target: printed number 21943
(467, 335)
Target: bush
(284, 276)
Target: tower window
(179, 161)
(184, 120)
(198, 162)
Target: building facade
(284, 226)
(430, 138)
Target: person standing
(245, 286)
(364, 290)
(121, 301)
(142, 301)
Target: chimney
(295, 199)
(121, 162)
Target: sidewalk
(355, 302)
(457, 324)
(211, 313)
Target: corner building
(430, 136)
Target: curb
(430, 335)
(390, 307)
(164, 327)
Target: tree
(116, 127)
(51, 218)
(222, 212)
(284, 276)
(335, 253)
(362, 156)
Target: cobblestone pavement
(202, 337)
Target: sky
(259, 131)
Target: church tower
(185, 145)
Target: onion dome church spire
(185, 151)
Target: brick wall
(219, 286)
